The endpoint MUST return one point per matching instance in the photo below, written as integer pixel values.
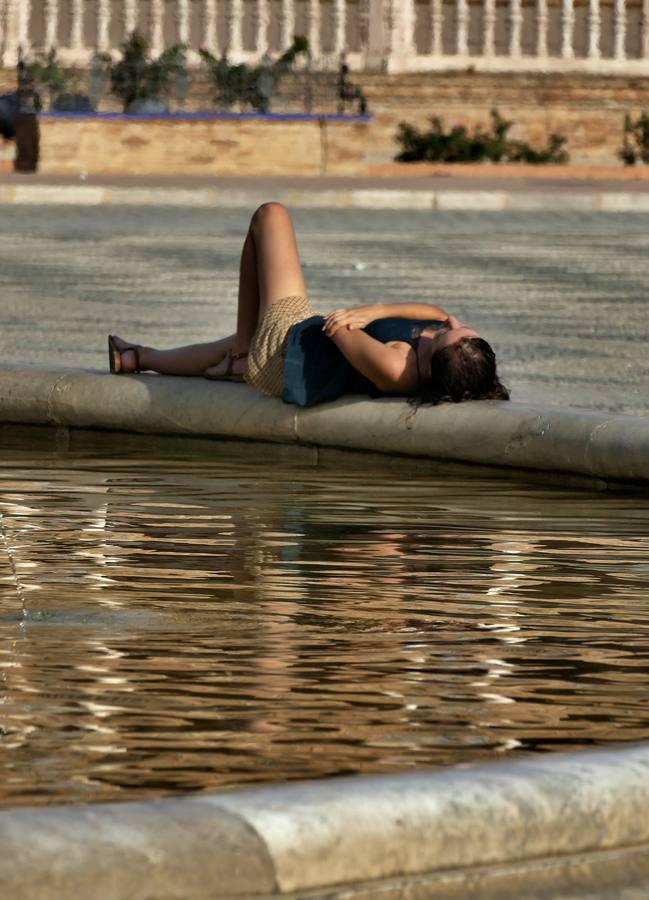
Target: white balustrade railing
(599, 36)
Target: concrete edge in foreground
(505, 435)
(379, 197)
(552, 825)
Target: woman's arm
(384, 366)
(356, 317)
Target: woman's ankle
(147, 358)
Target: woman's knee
(269, 214)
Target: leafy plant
(45, 75)
(141, 82)
(460, 145)
(250, 85)
(636, 140)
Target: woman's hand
(352, 318)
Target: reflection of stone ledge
(502, 435)
(544, 826)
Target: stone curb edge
(498, 434)
(510, 828)
(359, 198)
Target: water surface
(194, 620)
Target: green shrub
(459, 145)
(44, 75)
(142, 83)
(636, 140)
(250, 85)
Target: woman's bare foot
(127, 358)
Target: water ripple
(196, 622)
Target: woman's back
(315, 371)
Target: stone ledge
(535, 826)
(504, 435)
(380, 197)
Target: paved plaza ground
(561, 295)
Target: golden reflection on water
(189, 623)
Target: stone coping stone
(551, 825)
(380, 196)
(505, 435)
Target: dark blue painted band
(202, 116)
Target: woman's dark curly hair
(465, 370)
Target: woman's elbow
(389, 380)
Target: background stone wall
(203, 147)
(588, 109)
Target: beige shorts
(268, 346)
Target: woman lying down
(284, 349)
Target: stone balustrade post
(363, 24)
(594, 29)
(76, 26)
(376, 53)
(541, 29)
(567, 28)
(11, 42)
(209, 38)
(314, 29)
(287, 24)
(235, 27)
(619, 29)
(489, 28)
(103, 25)
(182, 21)
(437, 26)
(129, 17)
(262, 25)
(340, 27)
(462, 33)
(24, 16)
(401, 33)
(515, 28)
(156, 26)
(50, 38)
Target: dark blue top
(315, 371)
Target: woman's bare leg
(190, 360)
(269, 270)
(278, 262)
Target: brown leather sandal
(115, 357)
(229, 375)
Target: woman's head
(456, 364)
